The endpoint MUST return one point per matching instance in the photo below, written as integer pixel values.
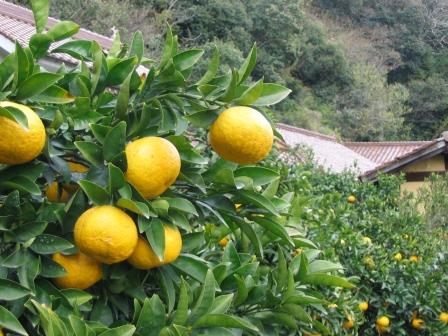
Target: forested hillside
(360, 69)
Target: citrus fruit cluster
(106, 234)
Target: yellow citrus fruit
(398, 256)
(351, 199)
(106, 234)
(144, 257)
(414, 258)
(153, 165)
(417, 323)
(383, 321)
(1, 332)
(332, 305)
(443, 317)
(82, 271)
(367, 240)
(363, 306)
(382, 330)
(369, 262)
(18, 144)
(241, 134)
(223, 242)
(348, 324)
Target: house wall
(418, 171)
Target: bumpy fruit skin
(18, 144)
(144, 257)
(82, 271)
(363, 306)
(443, 317)
(417, 323)
(106, 234)
(242, 135)
(351, 199)
(153, 165)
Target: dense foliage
(388, 87)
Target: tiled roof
(328, 152)
(383, 152)
(17, 23)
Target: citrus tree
(118, 216)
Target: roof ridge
(307, 132)
(380, 143)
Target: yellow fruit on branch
(223, 242)
(417, 323)
(82, 271)
(332, 305)
(153, 164)
(383, 321)
(443, 317)
(398, 256)
(106, 234)
(241, 134)
(351, 199)
(18, 144)
(414, 258)
(144, 257)
(363, 306)
(349, 324)
(367, 240)
(369, 262)
(57, 194)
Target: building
(416, 160)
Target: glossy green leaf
(10, 322)
(41, 10)
(94, 192)
(274, 227)
(79, 49)
(181, 314)
(63, 30)
(327, 280)
(298, 312)
(250, 197)
(227, 321)
(251, 94)
(212, 68)
(156, 237)
(259, 175)
(115, 140)
(152, 317)
(192, 266)
(272, 94)
(11, 290)
(181, 204)
(123, 98)
(25, 232)
(54, 95)
(121, 71)
(205, 299)
(187, 59)
(137, 46)
(36, 84)
(49, 244)
(125, 330)
(15, 115)
(20, 183)
(90, 151)
(248, 65)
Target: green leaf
(63, 30)
(298, 312)
(192, 266)
(123, 99)
(137, 46)
(79, 49)
(259, 175)
(323, 266)
(181, 313)
(39, 44)
(168, 49)
(77, 296)
(139, 208)
(55, 95)
(221, 304)
(98, 60)
(272, 94)
(15, 115)
(24, 65)
(274, 227)
(41, 10)
(327, 280)
(156, 237)
(187, 59)
(248, 65)
(11, 290)
(252, 198)
(36, 84)
(116, 178)
(206, 298)
(25, 232)
(10, 322)
(212, 68)
(90, 151)
(21, 183)
(251, 94)
(181, 204)
(227, 321)
(251, 234)
(230, 92)
(121, 71)
(152, 317)
(304, 299)
(94, 192)
(115, 141)
(125, 330)
(49, 244)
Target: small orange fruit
(351, 199)
(418, 323)
(398, 256)
(223, 242)
(414, 258)
(443, 317)
(349, 324)
(363, 306)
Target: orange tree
(118, 218)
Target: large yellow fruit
(82, 271)
(153, 165)
(383, 321)
(242, 135)
(144, 257)
(18, 144)
(106, 234)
